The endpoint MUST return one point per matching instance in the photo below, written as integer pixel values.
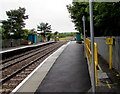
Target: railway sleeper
(10, 83)
(32, 66)
(29, 69)
(5, 90)
(26, 72)
(17, 79)
(9, 86)
(22, 75)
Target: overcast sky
(53, 12)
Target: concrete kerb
(41, 71)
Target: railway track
(13, 73)
(22, 54)
(22, 57)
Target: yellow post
(109, 41)
(96, 75)
(110, 56)
(96, 62)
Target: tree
(15, 22)
(27, 32)
(33, 31)
(1, 32)
(77, 10)
(106, 17)
(56, 33)
(45, 29)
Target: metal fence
(39, 40)
(15, 42)
(89, 57)
(8, 42)
(103, 50)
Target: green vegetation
(13, 27)
(64, 35)
(65, 38)
(69, 34)
(106, 17)
(26, 32)
(14, 24)
(45, 29)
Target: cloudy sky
(53, 12)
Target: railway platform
(5, 50)
(65, 71)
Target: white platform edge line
(16, 89)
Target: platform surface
(69, 72)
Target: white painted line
(108, 84)
(22, 83)
(99, 67)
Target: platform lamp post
(1, 28)
(83, 19)
(92, 42)
(11, 34)
(92, 46)
(0, 42)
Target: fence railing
(14, 42)
(89, 56)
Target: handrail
(89, 55)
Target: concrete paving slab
(102, 75)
